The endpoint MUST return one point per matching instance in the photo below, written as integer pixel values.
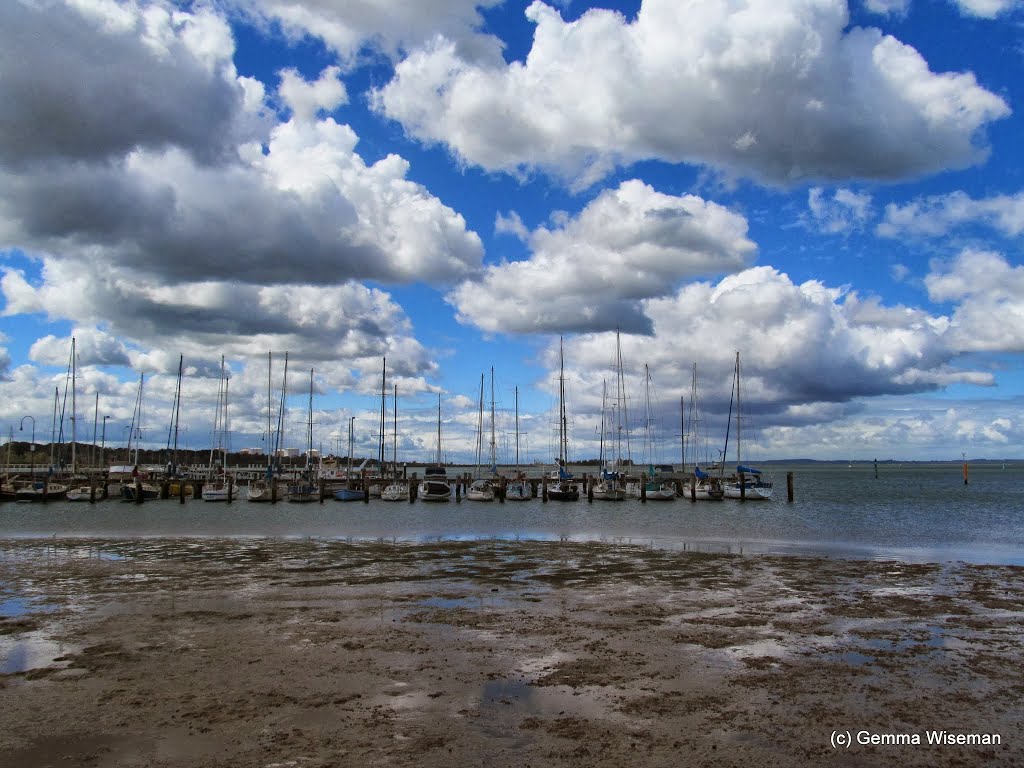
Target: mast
(226, 438)
(175, 416)
(494, 447)
(309, 425)
(95, 421)
(739, 457)
(622, 421)
(279, 442)
(395, 436)
(563, 447)
(480, 427)
(270, 409)
(383, 414)
(440, 461)
(217, 433)
(53, 424)
(74, 412)
(517, 431)
(142, 378)
(600, 451)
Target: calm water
(915, 512)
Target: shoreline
(175, 651)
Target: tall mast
(600, 450)
(383, 414)
(74, 412)
(440, 460)
(395, 435)
(309, 425)
(176, 415)
(563, 448)
(95, 421)
(480, 427)
(517, 428)
(739, 457)
(494, 447)
(217, 416)
(270, 408)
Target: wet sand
(266, 652)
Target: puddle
(28, 651)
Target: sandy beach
(277, 652)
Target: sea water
(917, 512)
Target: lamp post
(32, 448)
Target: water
(912, 512)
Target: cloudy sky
(833, 190)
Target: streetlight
(32, 448)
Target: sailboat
(654, 489)
(263, 490)
(396, 490)
(706, 486)
(348, 493)
(753, 485)
(562, 486)
(519, 489)
(435, 478)
(481, 489)
(128, 489)
(304, 491)
(217, 486)
(80, 491)
(610, 487)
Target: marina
(917, 512)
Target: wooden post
(273, 490)
(138, 491)
(165, 489)
(414, 487)
(231, 487)
(181, 491)
(501, 489)
(458, 490)
(789, 486)
(643, 487)
(589, 486)
(743, 486)
(693, 488)
(366, 489)
(92, 489)
(321, 487)
(197, 489)
(544, 488)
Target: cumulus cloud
(385, 26)
(810, 354)
(888, 7)
(60, 60)
(306, 99)
(844, 212)
(989, 296)
(986, 9)
(938, 215)
(592, 271)
(776, 91)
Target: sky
(832, 190)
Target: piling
(197, 489)
(181, 491)
(413, 488)
(789, 487)
(458, 490)
(92, 489)
(643, 487)
(743, 487)
(501, 490)
(165, 489)
(138, 491)
(366, 489)
(544, 488)
(590, 490)
(693, 488)
(321, 488)
(46, 488)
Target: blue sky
(833, 190)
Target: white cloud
(387, 26)
(989, 296)
(591, 272)
(986, 9)
(306, 99)
(511, 225)
(938, 215)
(888, 7)
(844, 212)
(777, 91)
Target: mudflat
(284, 652)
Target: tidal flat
(172, 652)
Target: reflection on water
(911, 512)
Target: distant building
(252, 451)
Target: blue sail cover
(562, 474)
(747, 470)
(700, 473)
